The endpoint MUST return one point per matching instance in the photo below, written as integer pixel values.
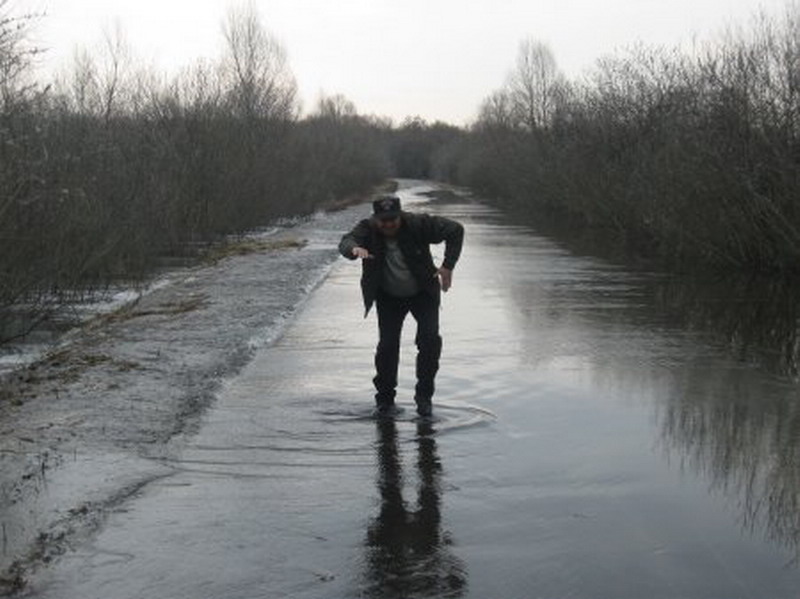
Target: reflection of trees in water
(736, 422)
(756, 318)
(738, 427)
(742, 433)
(407, 552)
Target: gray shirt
(397, 278)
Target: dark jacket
(414, 237)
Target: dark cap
(386, 207)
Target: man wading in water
(400, 277)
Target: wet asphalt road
(589, 441)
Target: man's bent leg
(425, 309)
(391, 313)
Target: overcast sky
(433, 58)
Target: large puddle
(598, 433)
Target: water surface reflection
(407, 554)
(741, 432)
(732, 413)
(718, 357)
(756, 317)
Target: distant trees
(689, 158)
(336, 150)
(417, 147)
(114, 167)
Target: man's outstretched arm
(352, 244)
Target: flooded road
(598, 433)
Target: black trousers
(392, 311)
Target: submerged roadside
(79, 430)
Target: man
(400, 277)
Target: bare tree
(497, 111)
(336, 108)
(117, 61)
(260, 80)
(81, 84)
(15, 54)
(534, 85)
(99, 82)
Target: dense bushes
(112, 168)
(689, 158)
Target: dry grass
(58, 368)
(183, 306)
(252, 246)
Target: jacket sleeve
(439, 229)
(358, 237)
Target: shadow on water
(407, 554)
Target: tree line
(112, 167)
(686, 156)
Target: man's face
(389, 226)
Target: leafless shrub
(256, 73)
(690, 157)
(115, 167)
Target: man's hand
(362, 253)
(445, 277)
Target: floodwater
(598, 433)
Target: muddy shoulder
(91, 423)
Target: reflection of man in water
(408, 555)
(400, 276)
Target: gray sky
(433, 58)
